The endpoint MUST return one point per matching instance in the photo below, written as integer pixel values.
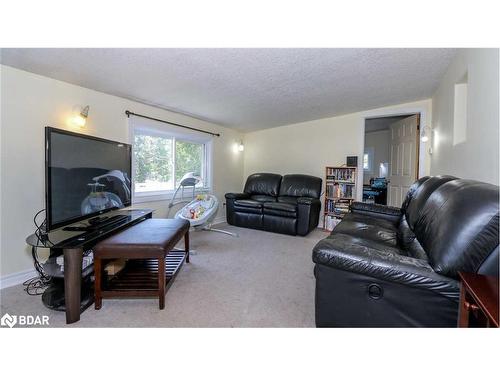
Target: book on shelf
(341, 174)
(337, 207)
(331, 222)
(339, 191)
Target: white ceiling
(247, 89)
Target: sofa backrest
(300, 185)
(458, 226)
(421, 195)
(411, 192)
(263, 184)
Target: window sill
(163, 196)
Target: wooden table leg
(463, 312)
(98, 283)
(161, 282)
(186, 245)
(72, 283)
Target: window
(460, 112)
(368, 159)
(366, 164)
(161, 158)
(188, 158)
(153, 163)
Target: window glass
(153, 163)
(161, 160)
(188, 158)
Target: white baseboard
(16, 278)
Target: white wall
(379, 141)
(30, 102)
(309, 147)
(476, 157)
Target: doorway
(391, 158)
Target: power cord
(37, 285)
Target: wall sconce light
(425, 134)
(238, 146)
(80, 119)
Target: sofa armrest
(237, 195)
(377, 210)
(308, 201)
(307, 214)
(345, 252)
(230, 198)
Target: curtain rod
(128, 113)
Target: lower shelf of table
(142, 275)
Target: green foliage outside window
(188, 158)
(154, 159)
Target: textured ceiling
(247, 89)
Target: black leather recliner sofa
(397, 267)
(288, 204)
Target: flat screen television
(84, 176)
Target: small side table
(478, 300)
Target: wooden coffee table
(151, 261)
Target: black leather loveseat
(397, 267)
(288, 204)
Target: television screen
(85, 176)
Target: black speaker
(352, 161)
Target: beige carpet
(259, 279)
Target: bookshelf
(340, 191)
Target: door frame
(422, 155)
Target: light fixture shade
(80, 118)
(79, 121)
(424, 135)
(241, 147)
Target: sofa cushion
(248, 206)
(374, 230)
(285, 199)
(263, 198)
(248, 203)
(360, 218)
(263, 184)
(300, 185)
(280, 209)
(421, 195)
(458, 226)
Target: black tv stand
(72, 245)
(96, 223)
(97, 220)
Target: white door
(404, 158)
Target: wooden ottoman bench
(151, 261)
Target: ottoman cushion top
(150, 238)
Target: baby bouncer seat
(201, 210)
